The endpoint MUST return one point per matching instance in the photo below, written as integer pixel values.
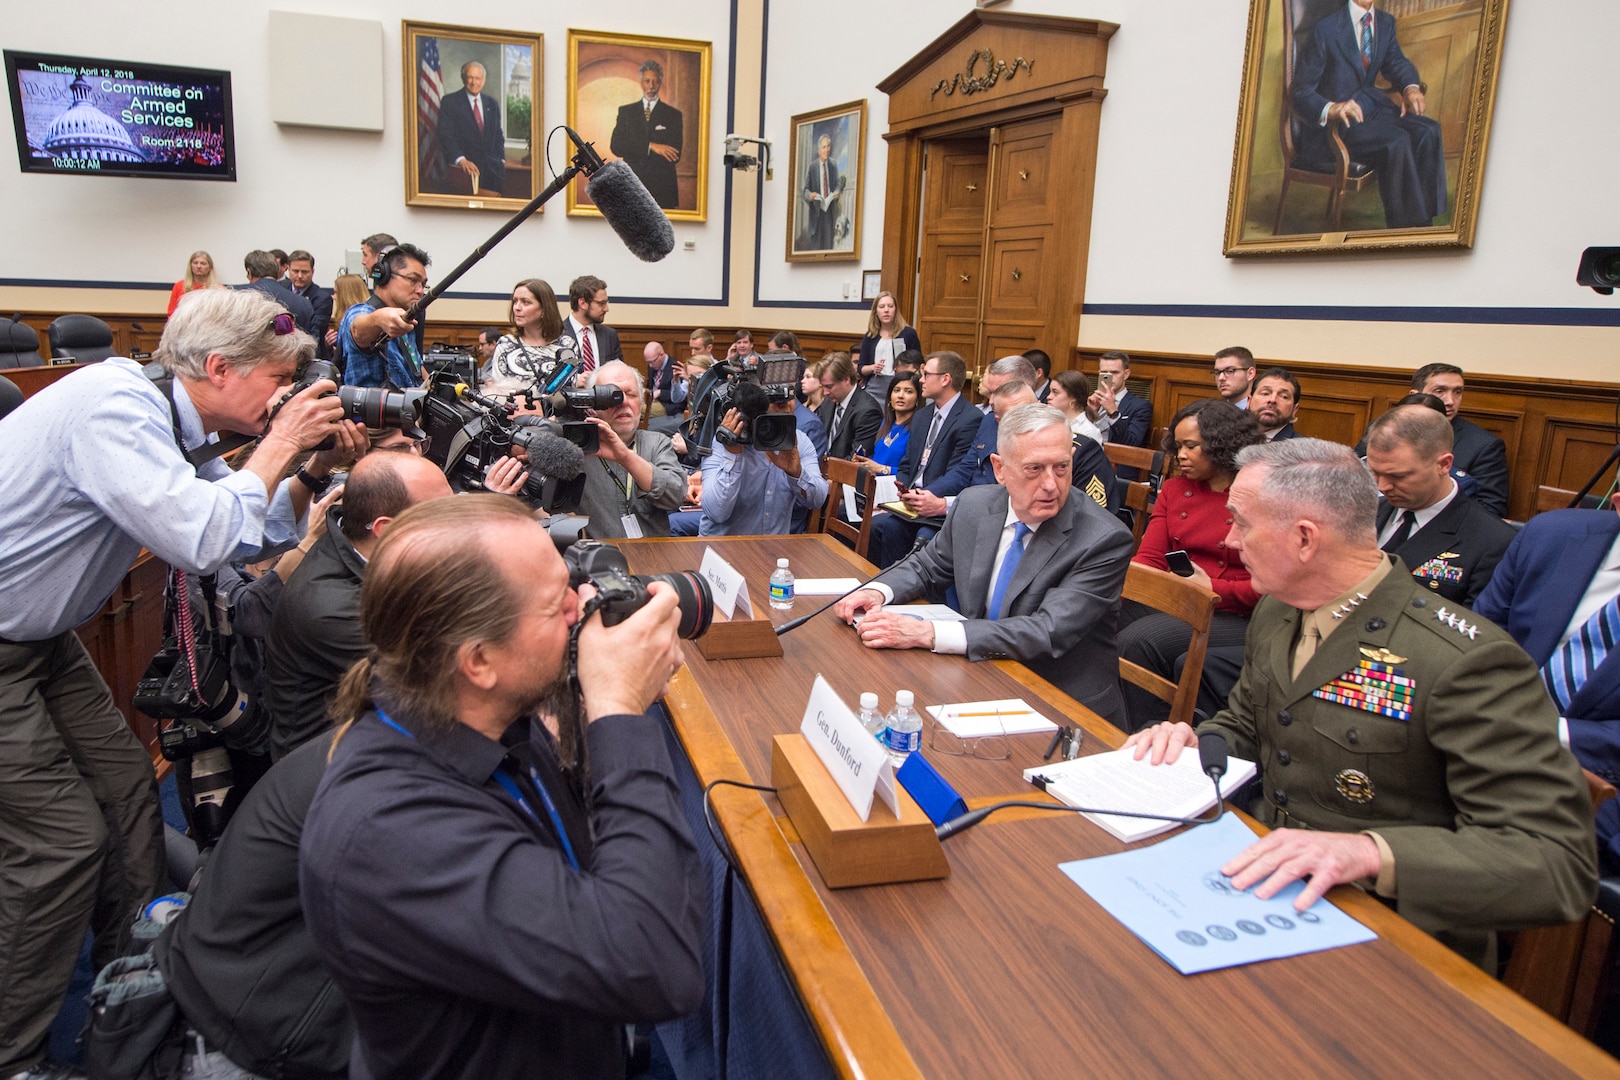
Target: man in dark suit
(1274, 401)
(1037, 570)
(1043, 373)
(469, 132)
(1337, 63)
(1479, 458)
(852, 420)
(822, 190)
(1557, 591)
(1449, 542)
(261, 269)
(1130, 417)
(301, 274)
(648, 136)
(942, 434)
(595, 342)
(1401, 743)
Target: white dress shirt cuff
(950, 638)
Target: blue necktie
(1009, 567)
(1366, 40)
(1567, 670)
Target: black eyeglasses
(283, 324)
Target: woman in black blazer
(887, 336)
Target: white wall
(322, 189)
(1164, 165)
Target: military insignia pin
(1355, 785)
(1450, 555)
(1382, 656)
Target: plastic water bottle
(902, 731)
(782, 587)
(872, 718)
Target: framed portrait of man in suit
(644, 100)
(826, 151)
(472, 116)
(1363, 124)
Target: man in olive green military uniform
(1402, 744)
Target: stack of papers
(1174, 897)
(977, 719)
(1117, 781)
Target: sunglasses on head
(283, 324)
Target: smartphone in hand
(1180, 563)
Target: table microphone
(794, 624)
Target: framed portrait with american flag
(472, 116)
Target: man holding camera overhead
(749, 491)
(98, 466)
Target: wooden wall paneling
(901, 219)
(1555, 433)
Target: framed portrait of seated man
(472, 116)
(1363, 124)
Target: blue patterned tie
(1567, 670)
(1366, 40)
(1009, 567)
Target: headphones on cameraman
(382, 271)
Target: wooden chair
(1149, 464)
(1553, 498)
(1566, 970)
(1139, 501)
(1339, 175)
(842, 473)
(1193, 605)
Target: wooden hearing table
(1006, 968)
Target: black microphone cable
(714, 830)
(1212, 755)
(794, 624)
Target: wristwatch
(317, 487)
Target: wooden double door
(984, 278)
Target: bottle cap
(781, 564)
(904, 697)
(868, 700)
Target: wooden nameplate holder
(848, 851)
(739, 638)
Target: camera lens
(696, 601)
(378, 407)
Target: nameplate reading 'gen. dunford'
(857, 761)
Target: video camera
(778, 374)
(622, 594)
(467, 432)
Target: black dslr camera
(622, 593)
(373, 406)
(717, 392)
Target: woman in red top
(199, 275)
(1190, 515)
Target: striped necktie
(1567, 670)
(1366, 41)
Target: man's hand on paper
(1284, 856)
(1164, 740)
(890, 630)
(858, 604)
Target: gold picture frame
(605, 92)
(440, 118)
(1302, 185)
(815, 233)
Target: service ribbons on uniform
(1373, 686)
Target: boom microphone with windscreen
(629, 208)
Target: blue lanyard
(513, 790)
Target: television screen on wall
(88, 117)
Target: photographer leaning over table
(95, 471)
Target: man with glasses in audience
(1234, 374)
(376, 338)
(98, 466)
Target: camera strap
(509, 785)
(208, 451)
